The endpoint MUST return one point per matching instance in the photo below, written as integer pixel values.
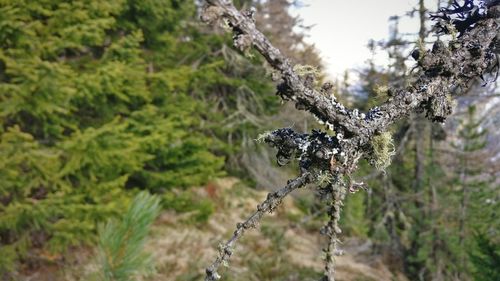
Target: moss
(383, 150)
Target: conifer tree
(98, 98)
(486, 259)
(473, 191)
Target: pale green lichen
(262, 137)
(381, 90)
(303, 70)
(226, 25)
(323, 178)
(383, 150)
(451, 101)
(452, 30)
(421, 48)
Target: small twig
(272, 201)
(332, 230)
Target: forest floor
(285, 248)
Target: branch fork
(320, 155)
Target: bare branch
(272, 201)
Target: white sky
(342, 28)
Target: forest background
(100, 100)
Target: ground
(284, 248)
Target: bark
(332, 230)
(422, 33)
(437, 242)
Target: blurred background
(128, 146)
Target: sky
(342, 29)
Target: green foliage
(121, 243)
(353, 222)
(486, 259)
(99, 98)
(426, 212)
(187, 202)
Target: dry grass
(280, 250)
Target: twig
(272, 201)
(332, 230)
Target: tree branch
(269, 205)
(293, 87)
(332, 230)
(442, 70)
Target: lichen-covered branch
(272, 201)
(315, 151)
(332, 229)
(293, 87)
(442, 70)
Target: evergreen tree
(473, 191)
(410, 219)
(486, 259)
(98, 98)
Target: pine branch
(121, 243)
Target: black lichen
(313, 150)
(373, 114)
(461, 18)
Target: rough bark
(332, 229)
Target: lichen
(210, 14)
(383, 150)
(323, 178)
(303, 70)
(421, 47)
(262, 137)
(381, 90)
